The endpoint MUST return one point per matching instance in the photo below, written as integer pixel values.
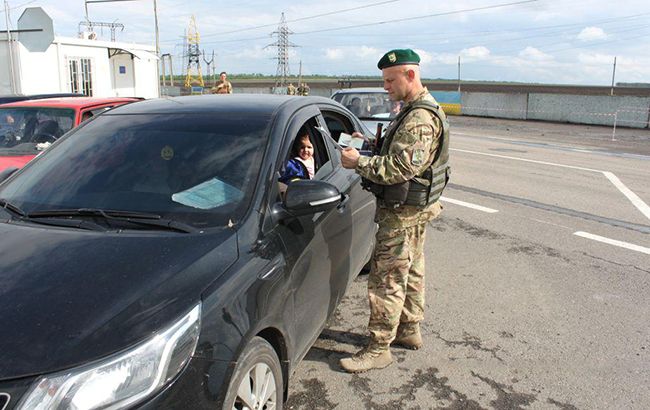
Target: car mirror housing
(305, 197)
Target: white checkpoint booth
(37, 61)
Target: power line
(447, 13)
(445, 36)
(19, 6)
(305, 18)
(494, 6)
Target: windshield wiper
(54, 222)
(138, 218)
(106, 213)
(13, 208)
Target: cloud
(475, 53)
(351, 52)
(334, 54)
(425, 57)
(591, 34)
(532, 53)
(254, 53)
(369, 52)
(595, 59)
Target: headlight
(124, 379)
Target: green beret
(398, 57)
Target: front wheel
(256, 383)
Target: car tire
(256, 382)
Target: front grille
(4, 400)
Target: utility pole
(167, 57)
(11, 51)
(459, 74)
(300, 74)
(613, 77)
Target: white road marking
(526, 160)
(634, 198)
(614, 242)
(468, 205)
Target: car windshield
(369, 105)
(191, 168)
(27, 130)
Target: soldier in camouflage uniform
(396, 280)
(291, 89)
(305, 90)
(223, 86)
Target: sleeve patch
(417, 158)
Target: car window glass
(197, 169)
(337, 123)
(21, 128)
(369, 105)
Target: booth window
(80, 71)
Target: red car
(29, 127)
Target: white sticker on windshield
(209, 194)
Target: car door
(315, 244)
(361, 204)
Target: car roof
(5, 99)
(68, 102)
(361, 90)
(260, 104)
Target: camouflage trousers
(396, 281)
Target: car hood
(68, 297)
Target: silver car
(371, 105)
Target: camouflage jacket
(410, 152)
(223, 87)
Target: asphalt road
(538, 275)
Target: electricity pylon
(193, 56)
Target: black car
(151, 259)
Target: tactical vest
(422, 189)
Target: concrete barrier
(590, 109)
(512, 106)
(625, 111)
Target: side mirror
(6, 173)
(307, 197)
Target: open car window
(292, 167)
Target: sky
(539, 41)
